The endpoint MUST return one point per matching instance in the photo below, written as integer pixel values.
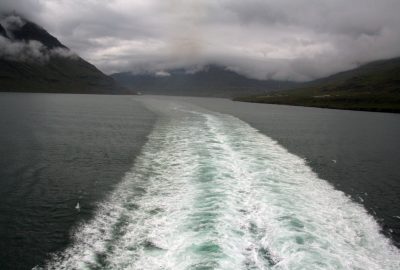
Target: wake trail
(211, 192)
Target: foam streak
(210, 192)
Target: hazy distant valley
(32, 60)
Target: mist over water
(210, 192)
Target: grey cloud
(27, 8)
(31, 51)
(26, 51)
(11, 23)
(278, 39)
(22, 51)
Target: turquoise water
(210, 192)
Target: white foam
(210, 191)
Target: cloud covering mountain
(32, 60)
(15, 48)
(264, 39)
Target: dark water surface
(56, 150)
(169, 181)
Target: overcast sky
(278, 39)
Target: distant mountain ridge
(32, 60)
(372, 87)
(212, 80)
(381, 75)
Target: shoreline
(321, 106)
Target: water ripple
(210, 192)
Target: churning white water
(210, 192)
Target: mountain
(32, 60)
(3, 31)
(381, 76)
(210, 81)
(30, 31)
(373, 87)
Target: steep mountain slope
(381, 76)
(32, 60)
(31, 31)
(373, 87)
(210, 81)
(3, 31)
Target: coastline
(314, 103)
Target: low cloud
(26, 51)
(30, 51)
(11, 23)
(22, 51)
(162, 74)
(265, 39)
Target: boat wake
(210, 192)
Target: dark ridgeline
(212, 81)
(56, 74)
(3, 31)
(31, 31)
(372, 87)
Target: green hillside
(371, 87)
